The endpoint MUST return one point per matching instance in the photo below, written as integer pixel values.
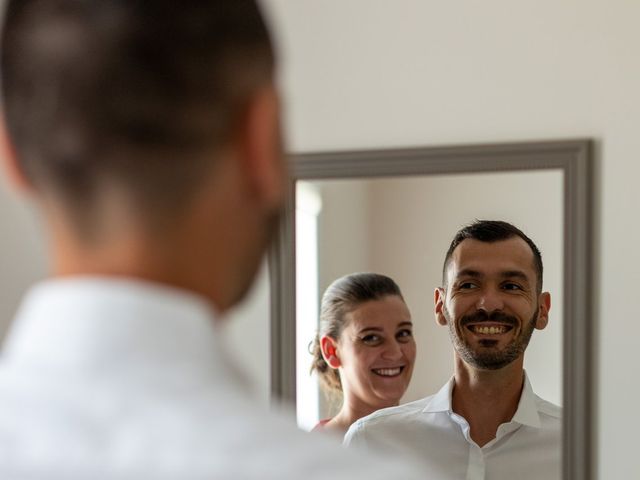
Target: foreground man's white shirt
(122, 379)
(527, 448)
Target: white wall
(343, 230)
(22, 251)
(247, 332)
(379, 73)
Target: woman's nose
(393, 351)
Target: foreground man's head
(148, 133)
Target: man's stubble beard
(491, 360)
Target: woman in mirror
(365, 348)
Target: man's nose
(490, 300)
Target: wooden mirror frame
(572, 157)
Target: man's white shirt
(103, 378)
(529, 447)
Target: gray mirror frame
(572, 157)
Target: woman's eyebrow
(370, 329)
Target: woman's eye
(370, 339)
(404, 335)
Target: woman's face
(376, 351)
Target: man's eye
(511, 286)
(466, 285)
(404, 335)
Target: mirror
(392, 212)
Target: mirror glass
(402, 227)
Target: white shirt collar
(526, 414)
(84, 324)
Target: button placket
(476, 468)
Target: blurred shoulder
(216, 433)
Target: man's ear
(9, 161)
(439, 296)
(329, 348)
(544, 305)
(260, 147)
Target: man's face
(490, 301)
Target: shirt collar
(526, 414)
(441, 401)
(84, 324)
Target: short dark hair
(341, 297)
(132, 93)
(492, 231)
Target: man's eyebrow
(468, 272)
(519, 274)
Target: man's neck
(487, 398)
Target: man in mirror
(486, 422)
(147, 133)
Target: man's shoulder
(548, 411)
(400, 414)
(397, 429)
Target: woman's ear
(329, 348)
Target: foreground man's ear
(10, 166)
(260, 146)
(439, 296)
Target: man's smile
(489, 328)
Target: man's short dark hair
(133, 93)
(492, 231)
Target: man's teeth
(489, 330)
(388, 372)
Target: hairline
(449, 257)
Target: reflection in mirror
(405, 231)
(402, 227)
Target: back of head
(490, 231)
(341, 297)
(130, 96)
